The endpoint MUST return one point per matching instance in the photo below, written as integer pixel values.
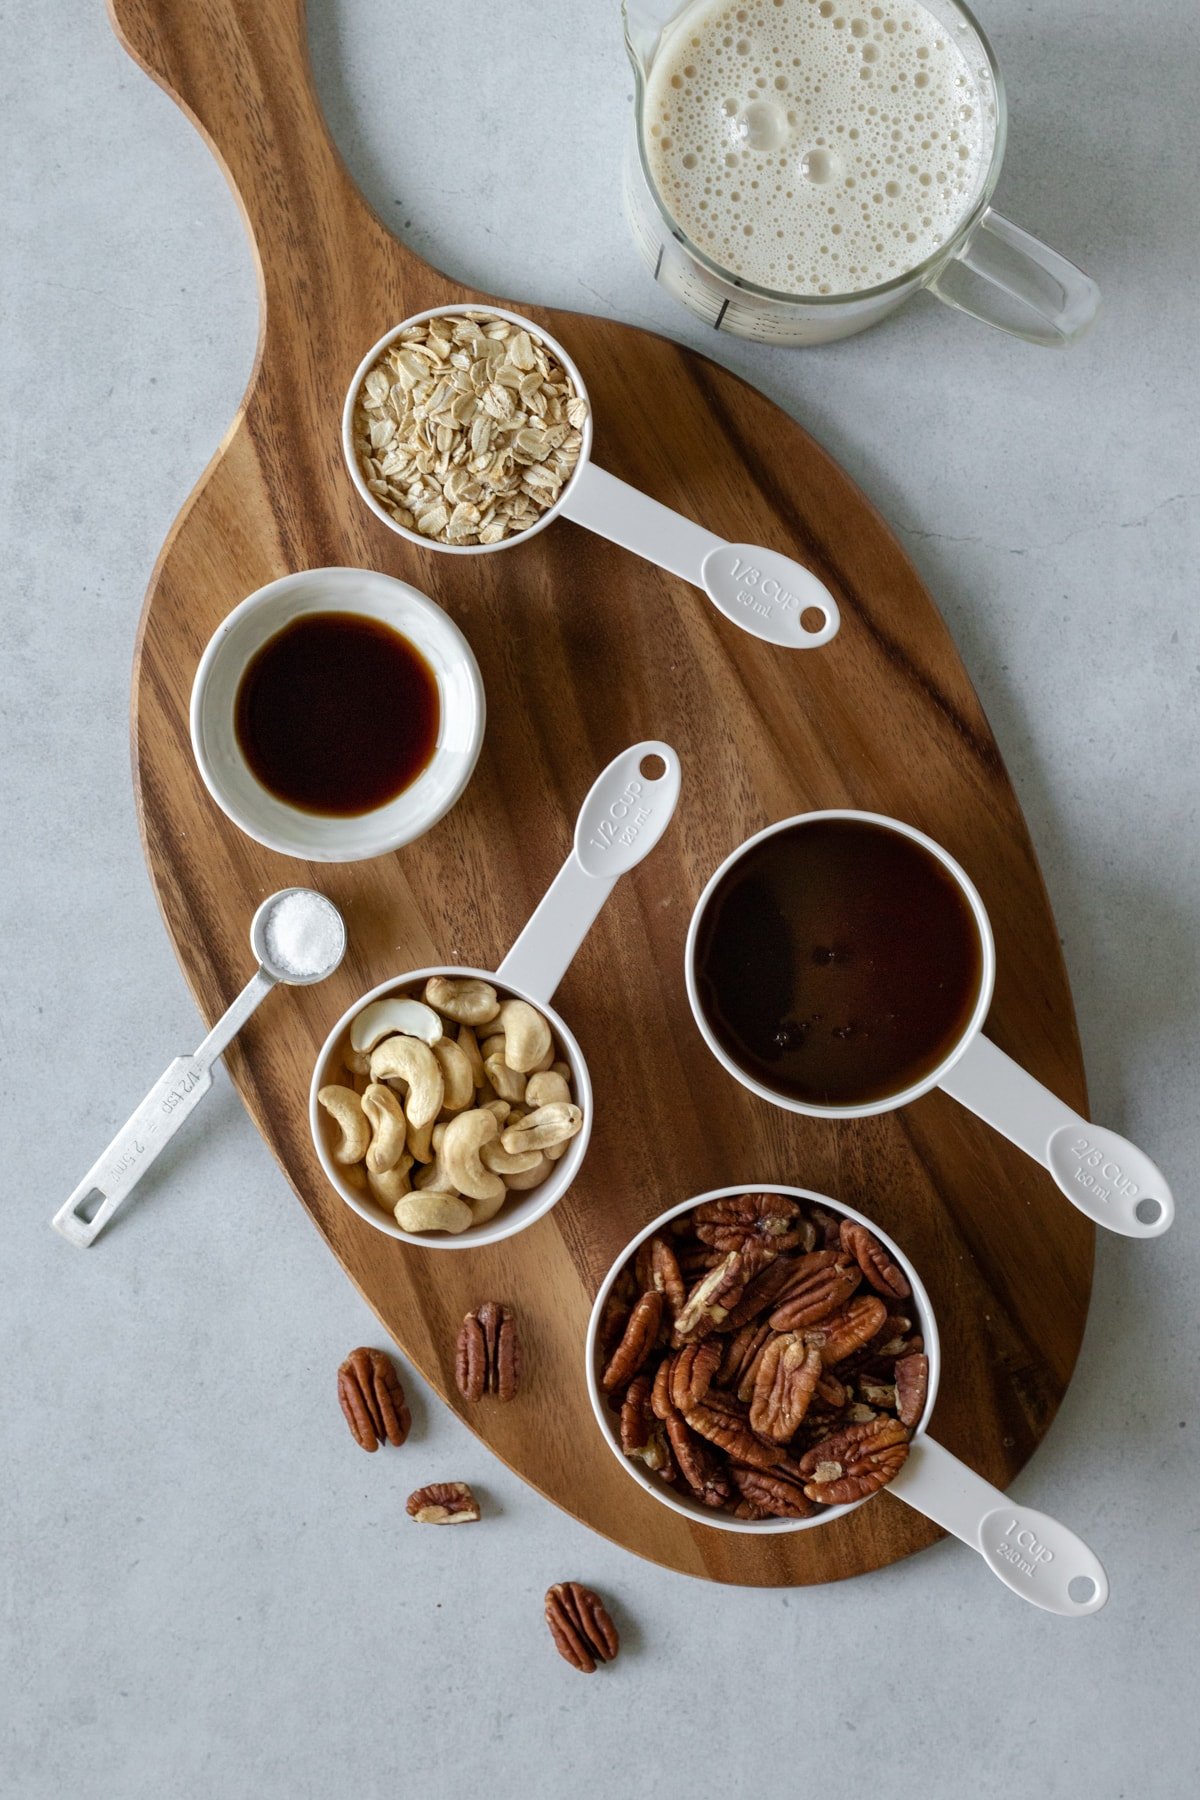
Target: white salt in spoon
(299, 937)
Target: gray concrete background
(207, 1591)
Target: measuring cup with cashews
(620, 822)
(1032, 1554)
(765, 592)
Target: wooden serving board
(584, 650)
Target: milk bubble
(814, 147)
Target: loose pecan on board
(488, 1354)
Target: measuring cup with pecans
(739, 1366)
(468, 429)
(467, 1164)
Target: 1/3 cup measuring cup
(1102, 1174)
(1031, 1553)
(987, 266)
(622, 819)
(765, 592)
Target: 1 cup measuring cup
(765, 592)
(622, 819)
(1031, 1553)
(1106, 1177)
(986, 266)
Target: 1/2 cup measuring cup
(765, 592)
(987, 267)
(622, 819)
(1031, 1553)
(1102, 1174)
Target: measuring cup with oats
(467, 429)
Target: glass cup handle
(1010, 279)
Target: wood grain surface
(584, 650)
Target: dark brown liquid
(838, 962)
(337, 714)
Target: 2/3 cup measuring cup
(1032, 1554)
(987, 266)
(765, 592)
(1107, 1178)
(622, 819)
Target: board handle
(240, 70)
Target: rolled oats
(467, 429)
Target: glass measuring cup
(988, 267)
(763, 591)
(1039, 1559)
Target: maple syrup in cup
(799, 167)
(836, 963)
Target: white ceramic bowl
(608, 1420)
(520, 1210)
(368, 362)
(272, 821)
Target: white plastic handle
(176, 1093)
(763, 591)
(1101, 1173)
(1032, 1554)
(619, 823)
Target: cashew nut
(544, 1088)
(508, 1084)
(520, 1184)
(415, 1068)
(466, 1134)
(526, 1035)
(496, 1158)
(539, 1130)
(561, 1068)
(483, 1210)
(467, 1000)
(432, 1212)
(501, 1108)
(345, 1109)
(357, 1062)
(386, 1116)
(395, 1013)
(386, 1189)
(420, 1138)
(458, 1081)
(469, 1043)
(492, 1046)
(433, 1176)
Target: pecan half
(855, 1462)
(739, 1363)
(443, 1503)
(788, 1372)
(692, 1372)
(657, 1267)
(912, 1385)
(613, 1321)
(641, 1433)
(372, 1398)
(874, 1261)
(764, 1292)
(661, 1403)
(741, 1219)
(714, 1297)
(580, 1625)
(772, 1493)
(488, 1355)
(696, 1463)
(823, 1281)
(636, 1342)
(723, 1422)
(844, 1332)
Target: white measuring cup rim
(979, 1012)
(520, 1210)
(607, 1420)
(482, 311)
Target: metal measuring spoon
(298, 937)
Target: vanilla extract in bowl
(337, 714)
(838, 962)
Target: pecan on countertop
(580, 1625)
(372, 1398)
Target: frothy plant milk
(815, 146)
